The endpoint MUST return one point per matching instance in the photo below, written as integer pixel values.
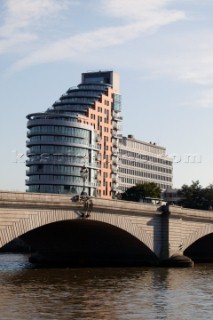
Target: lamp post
(84, 198)
(84, 175)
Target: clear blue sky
(162, 49)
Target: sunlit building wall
(141, 162)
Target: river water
(27, 292)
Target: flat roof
(152, 144)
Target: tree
(208, 195)
(140, 191)
(196, 197)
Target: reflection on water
(119, 293)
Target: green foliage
(196, 197)
(208, 194)
(140, 191)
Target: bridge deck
(58, 201)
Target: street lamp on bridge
(84, 172)
(85, 198)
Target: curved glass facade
(82, 129)
(57, 152)
(76, 131)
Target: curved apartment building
(80, 129)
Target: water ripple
(103, 294)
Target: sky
(162, 49)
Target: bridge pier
(166, 259)
(177, 261)
(164, 232)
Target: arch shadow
(201, 250)
(83, 242)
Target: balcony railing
(114, 169)
(115, 160)
(67, 163)
(62, 143)
(115, 128)
(115, 152)
(98, 139)
(117, 118)
(61, 182)
(114, 186)
(98, 157)
(115, 133)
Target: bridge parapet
(43, 200)
(191, 212)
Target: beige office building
(141, 162)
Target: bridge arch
(41, 218)
(201, 250)
(196, 234)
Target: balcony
(94, 165)
(98, 157)
(115, 133)
(94, 146)
(117, 118)
(61, 182)
(60, 142)
(115, 179)
(47, 131)
(98, 139)
(98, 177)
(115, 152)
(51, 161)
(114, 169)
(115, 127)
(114, 186)
(73, 88)
(114, 176)
(115, 161)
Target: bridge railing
(191, 212)
(62, 200)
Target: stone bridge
(115, 233)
